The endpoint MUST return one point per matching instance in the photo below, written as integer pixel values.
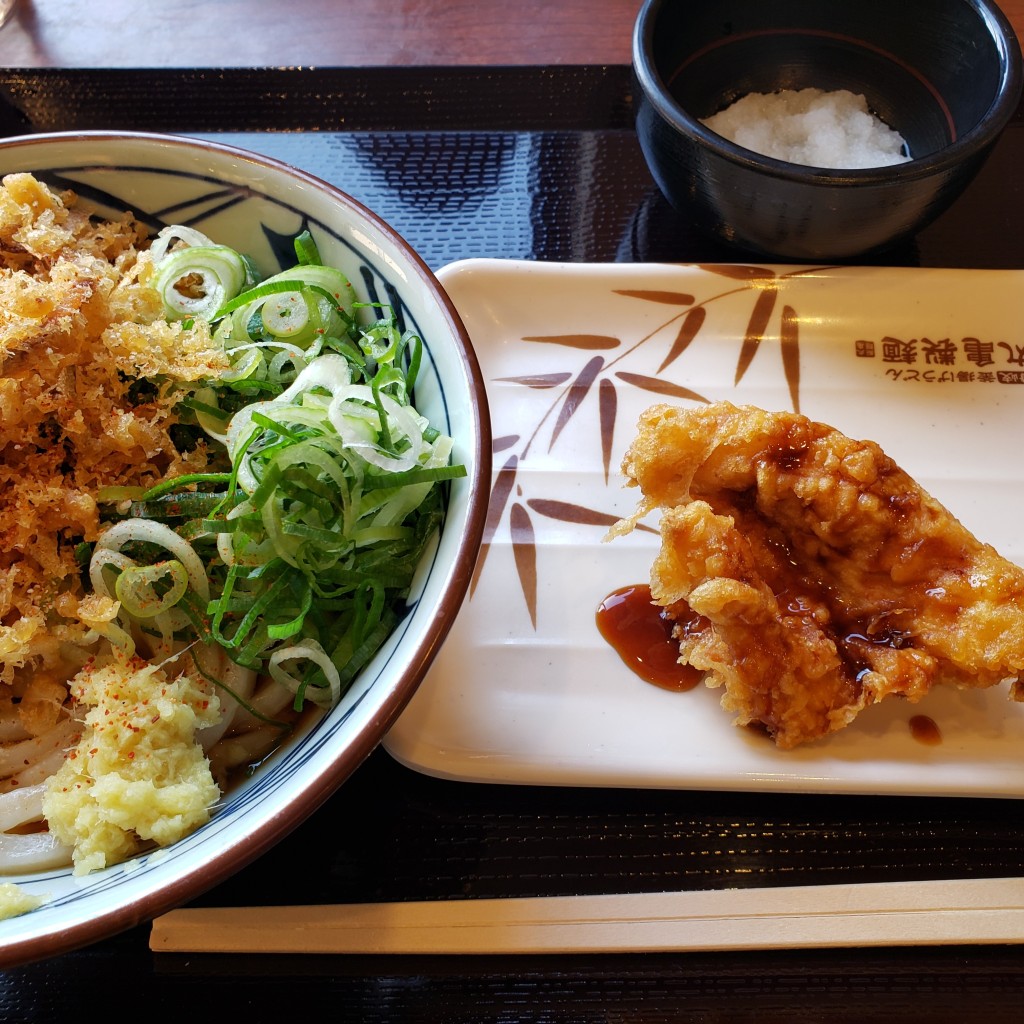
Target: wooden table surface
(241, 33)
(233, 33)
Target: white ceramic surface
(258, 206)
(929, 363)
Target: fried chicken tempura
(809, 576)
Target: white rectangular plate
(928, 363)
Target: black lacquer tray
(535, 163)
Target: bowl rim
(971, 144)
(236, 856)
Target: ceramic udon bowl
(248, 201)
(946, 74)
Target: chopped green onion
(306, 251)
(198, 280)
(174, 482)
(285, 315)
(295, 555)
(136, 588)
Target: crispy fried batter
(79, 326)
(809, 575)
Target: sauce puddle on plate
(925, 730)
(641, 634)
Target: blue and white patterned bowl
(257, 205)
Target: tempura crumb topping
(88, 372)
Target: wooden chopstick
(968, 911)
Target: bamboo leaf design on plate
(790, 334)
(567, 512)
(660, 386)
(757, 326)
(654, 295)
(738, 271)
(608, 402)
(500, 490)
(584, 341)
(499, 444)
(692, 323)
(524, 550)
(538, 380)
(578, 390)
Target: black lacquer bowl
(946, 74)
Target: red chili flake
(131, 755)
(95, 750)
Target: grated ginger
(138, 774)
(15, 900)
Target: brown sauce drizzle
(641, 634)
(925, 731)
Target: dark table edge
(507, 98)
